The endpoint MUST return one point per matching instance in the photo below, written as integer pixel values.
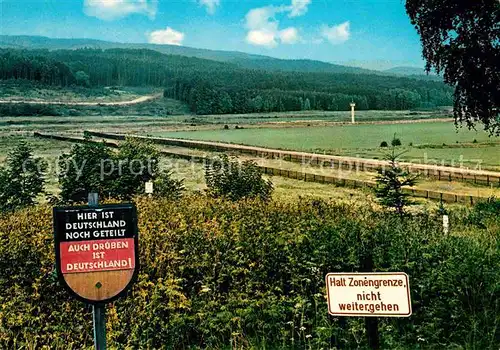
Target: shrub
(229, 178)
(81, 171)
(483, 211)
(21, 181)
(396, 142)
(135, 163)
(93, 167)
(167, 187)
(26, 109)
(217, 274)
(384, 144)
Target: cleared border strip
(435, 172)
(292, 174)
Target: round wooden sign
(96, 250)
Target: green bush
(483, 211)
(26, 109)
(94, 167)
(81, 171)
(220, 274)
(236, 180)
(384, 144)
(396, 142)
(167, 187)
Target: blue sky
(370, 33)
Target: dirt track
(117, 103)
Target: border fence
(436, 172)
(291, 174)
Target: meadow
(305, 117)
(431, 142)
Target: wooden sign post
(371, 295)
(97, 256)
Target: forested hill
(240, 59)
(219, 87)
(44, 43)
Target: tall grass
(250, 275)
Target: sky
(374, 34)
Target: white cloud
(167, 36)
(262, 38)
(263, 27)
(211, 5)
(337, 34)
(114, 9)
(289, 35)
(262, 18)
(299, 7)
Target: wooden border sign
(96, 250)
(385, 294)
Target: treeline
(204, 98)
(122, 67)
(211, 87)
(35, 67)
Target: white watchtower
(352, 112)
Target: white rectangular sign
(149, 187)
(385, 294)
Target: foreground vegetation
(250, 275)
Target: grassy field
(316, 117)
(166, 114)
(433, 142)
(193, 173)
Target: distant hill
(413, 72)
(406, 71)
(299, 65)
(41, 42)
(241, 59)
